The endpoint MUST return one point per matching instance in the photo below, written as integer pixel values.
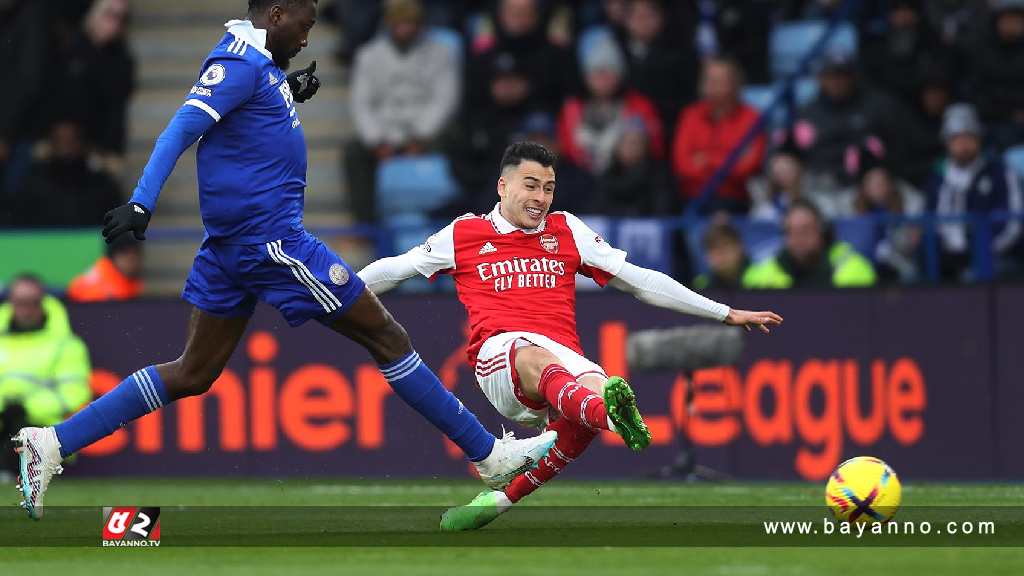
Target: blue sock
(414, 383)
(138, 395)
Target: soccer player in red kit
(515, 272)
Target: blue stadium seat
(861, 233)
(759, 96)
(1014, 158)
(450, 38)
(792, 41)
(647, 241)
(805, 90)
(414, 184)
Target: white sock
(502, 500)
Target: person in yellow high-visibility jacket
(809, 257)
(44, 367)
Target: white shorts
(495, 373)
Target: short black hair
(517, 152)
(258, 5)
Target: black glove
(130, 217)
(304, 83)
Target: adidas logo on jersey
(488, 249)
(273, 79)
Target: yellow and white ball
(863, 489)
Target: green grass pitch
(482, 561)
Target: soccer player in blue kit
(252, 176)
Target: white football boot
(39, 459)
(511, 457)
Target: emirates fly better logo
(131, 527)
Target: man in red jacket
(707, 132)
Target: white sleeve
(658, 289)
(387, 273)
(595, 252)
(435, 255)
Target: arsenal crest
(549, 243)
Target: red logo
(549, 243)
(131, 526)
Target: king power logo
(131, 527)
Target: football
(863, 489)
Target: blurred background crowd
(734, 144)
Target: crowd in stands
(652, 108)
(63, 110)
(655, 108)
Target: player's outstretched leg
(542, 377)
(573, 439)
(498, 460)
(211, 341)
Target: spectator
(880, 193)
(707, 133)
(743, 30)
(996, 73)
(660, 66)
(483, 133)
(727, 258)
(843, 115)
(520, 31)
(115, 276)
(810, 257)
(969, 182)
(922, 140)
(908, 45)
(405, 88)
(97, 78)
(589, 128)
(635, 184)
(73, 192)
(783, 182)
(44, 368)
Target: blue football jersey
(252, 162)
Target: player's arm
(225, 84)
(608, 266)
(435, 255)
(659, 289)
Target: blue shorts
(299, 275)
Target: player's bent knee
(182, 380)
(531, 361)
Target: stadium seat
(861, 233)
(1014, 158)
(792, 41)
(805, 90)
(647, 241)
(451, 39)
(414, 184)
(759, 96)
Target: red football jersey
(513, 280)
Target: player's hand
(747, 319)
(131, 217)
(304, 83)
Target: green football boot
(480, 512)
(620, 402)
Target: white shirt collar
(255, 37)
(503, 226)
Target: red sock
(572, 400)
(573, 439)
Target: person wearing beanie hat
(968, 181)
(590, 127)
(117, 275)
